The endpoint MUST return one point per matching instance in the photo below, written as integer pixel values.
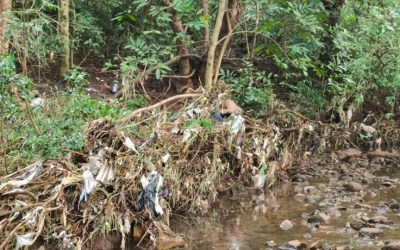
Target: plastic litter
(259, 179)
(106, 174)
(103, 172)
(90, 185)
(30, 218)
(37, 102)
(237, 123)
(115, 88)
(187, 134)
(218, 116)
(237, 126)
(32, 171)
(24, 240)
(192, 112)
(149, 196)
(67, 241)
(129, 144)
(166, 158)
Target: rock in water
(286, 225)
(295, 244)
(370, 231)
(394, 245)
(353, 186)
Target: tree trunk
(64, 33)
(231, 14)
(5, 6)
(206, 31)
(254, 40)
(208, 77)
(231, 20)
(23, 57)
(177, 27)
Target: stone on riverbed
(318, 218)
(353, 186)
(300, 197)
(294, 244)
(371, 231)
(394, 245)
(286, 225)
(317, 244)
(379, 219)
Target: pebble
(353, 186)
(286, 225)
(371, 231)
(394, 245)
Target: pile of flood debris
(132, 173)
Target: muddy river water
(251, 220)
(364, 215)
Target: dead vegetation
(199, 154)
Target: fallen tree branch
(31, 118)
(383, 154)
(305, 118)
(178, 77)
(10, 235)
(138, 111)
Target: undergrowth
(51, 128)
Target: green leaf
(158, 73)
(132, 18)
(118, 18)
(263, 168)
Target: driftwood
(138, 111)
(348, 153)
(384, 154)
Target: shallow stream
(251, 219)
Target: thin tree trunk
(208, 78)
(206, 31)
(5, 6)
(177, 27)
(73, 31)
(254, 40)
(64, 33)
(230, 23)
(24, 57)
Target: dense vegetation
(83, 82)
(326, 59)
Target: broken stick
(138, 111)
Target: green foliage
(88, 36)
(322, 56)
(33, 32)
(294, 33)
(139, 101)
(60, 123)
(76, 78)
(144, 55)
(9, 78)
(203, 123)
(367, 56)
(252, 89)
